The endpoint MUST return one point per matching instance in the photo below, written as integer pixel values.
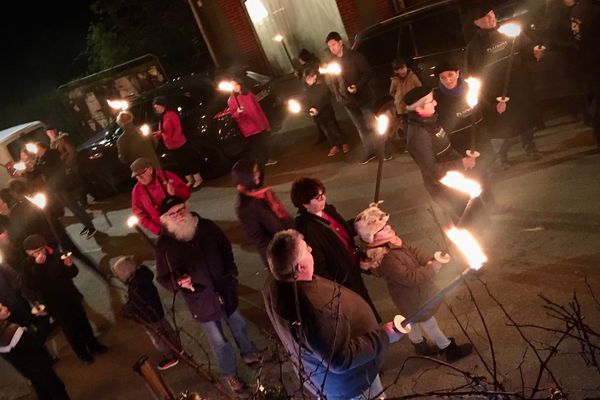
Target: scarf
(459, 90)
(267, 194)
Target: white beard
(184, 230)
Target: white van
(12, 140)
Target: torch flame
(132, 221)
(332, 68)
(468, 246)
(20, 166)
(31, 148)
(383, 122)
(118, 104)
(39, 199)
(225, 86)
(278, 38)
(294, 106)
(456, 180)
(510, 29)
(145, 129)
(473, 92)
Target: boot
(197, 181)
(455, 352)
(424, 349)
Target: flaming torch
(294, 106)
(513, 31)
(31, 148)
(383, 123)
(332, 68)
(475, 257)
(457, 181)
(20, 166)
(145, 129)
(279, 38)
(227, 86)
(133, 222)
(120, 105)
(40, 201)
(472, 100)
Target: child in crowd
(318, 102)
(144, 305)
(408, 273)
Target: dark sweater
(318, 96)
(143, 301)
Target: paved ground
(548, 244)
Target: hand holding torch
(513, 31)
(227, 86)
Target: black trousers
(332, 131)
(257, 147)
(77, 329)
(32, 361)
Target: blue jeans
(376, 389)
(220, 346)
(501, 146)
(364, 121)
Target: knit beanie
(481, 10)
(124, 268)
(417, 97)
(370, 221)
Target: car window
(438, 33)
(381, 48)
(14, 147)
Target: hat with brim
(33, 242)
(139, 166)
(370, 221)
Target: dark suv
(207, 125)
(425, 34)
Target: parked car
(427, 33)
(204, 119)
(12, 140)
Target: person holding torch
(133, 143)
(429, 146)
(408, 273)
(499, 56)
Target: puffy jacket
(170, 130)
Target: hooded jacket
(400, 86)
(170, 130)
(253, 119)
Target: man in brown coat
(403, 81)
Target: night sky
(42, 46)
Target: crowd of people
(316, 298)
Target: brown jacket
(67, 151)
(408, 277)
(400, 86)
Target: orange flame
(456, 180)
(468, 246)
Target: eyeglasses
(175, 213)
(319, 196)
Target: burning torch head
(510, 29)
(457, 181)
(473, 91)
(468, 246)
(383, 123)
(294, 106)
(118, 104)
(32, 148)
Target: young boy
(318, 99)
(144, 305)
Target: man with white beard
(194, 256)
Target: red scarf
(267, 194)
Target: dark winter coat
(340, 336)
(318, 96)
(332, 260)
(259, 222)
(585, 25)
(132, 145)
(10, 296)
(429, 146)
(52, 169)
(456, 116)
(143, 301)
(487, 57)
(409, 279)
(355, 71)
(52, 284)
(208, 259)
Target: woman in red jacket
(251, 120)
(171, 134)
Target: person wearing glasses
(194, 257)
(152, 186)
(330, 236)
(429, 146)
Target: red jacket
(170, 130)
(145, 199)
(252, 120)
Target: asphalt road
(546, 245)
